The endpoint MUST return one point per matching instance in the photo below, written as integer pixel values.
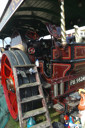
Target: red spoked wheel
(9, 59)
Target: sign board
(12, 7)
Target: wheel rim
(8, 83)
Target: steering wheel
(31, 50)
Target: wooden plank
(29, 85)
(32, 98)
(18, 99)
(44, 124)
(34, 113)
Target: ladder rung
(44, 124)
(28, 99)
(29, 85)
(34, 113)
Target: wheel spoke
(12, 76)
(8, 91)
(14, 101)
(12, 97)
(8, 67)
(5, 58)
(5, 76)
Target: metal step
(59, 107)
(44, 124)
(34, 113)
(73, 104)
(32, 98)
(29, 85)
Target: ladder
(29, 94)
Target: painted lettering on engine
(77, 80)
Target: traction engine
(61, 70)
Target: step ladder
(29, 91)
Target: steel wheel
(9, 59)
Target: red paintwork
(32, 58)
(59, 69)
(67, 65)
(65, 54)
(56, 53)
(79, 68)
(11, 100)
(79, 52)
(32, 35)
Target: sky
(3, 4)
(6, 41)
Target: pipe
(55, 89)
(61, 88)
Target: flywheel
(10, 59)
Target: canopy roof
(32, 15)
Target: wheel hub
(10, 85)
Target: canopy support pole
(63, 31)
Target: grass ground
(53, 114)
